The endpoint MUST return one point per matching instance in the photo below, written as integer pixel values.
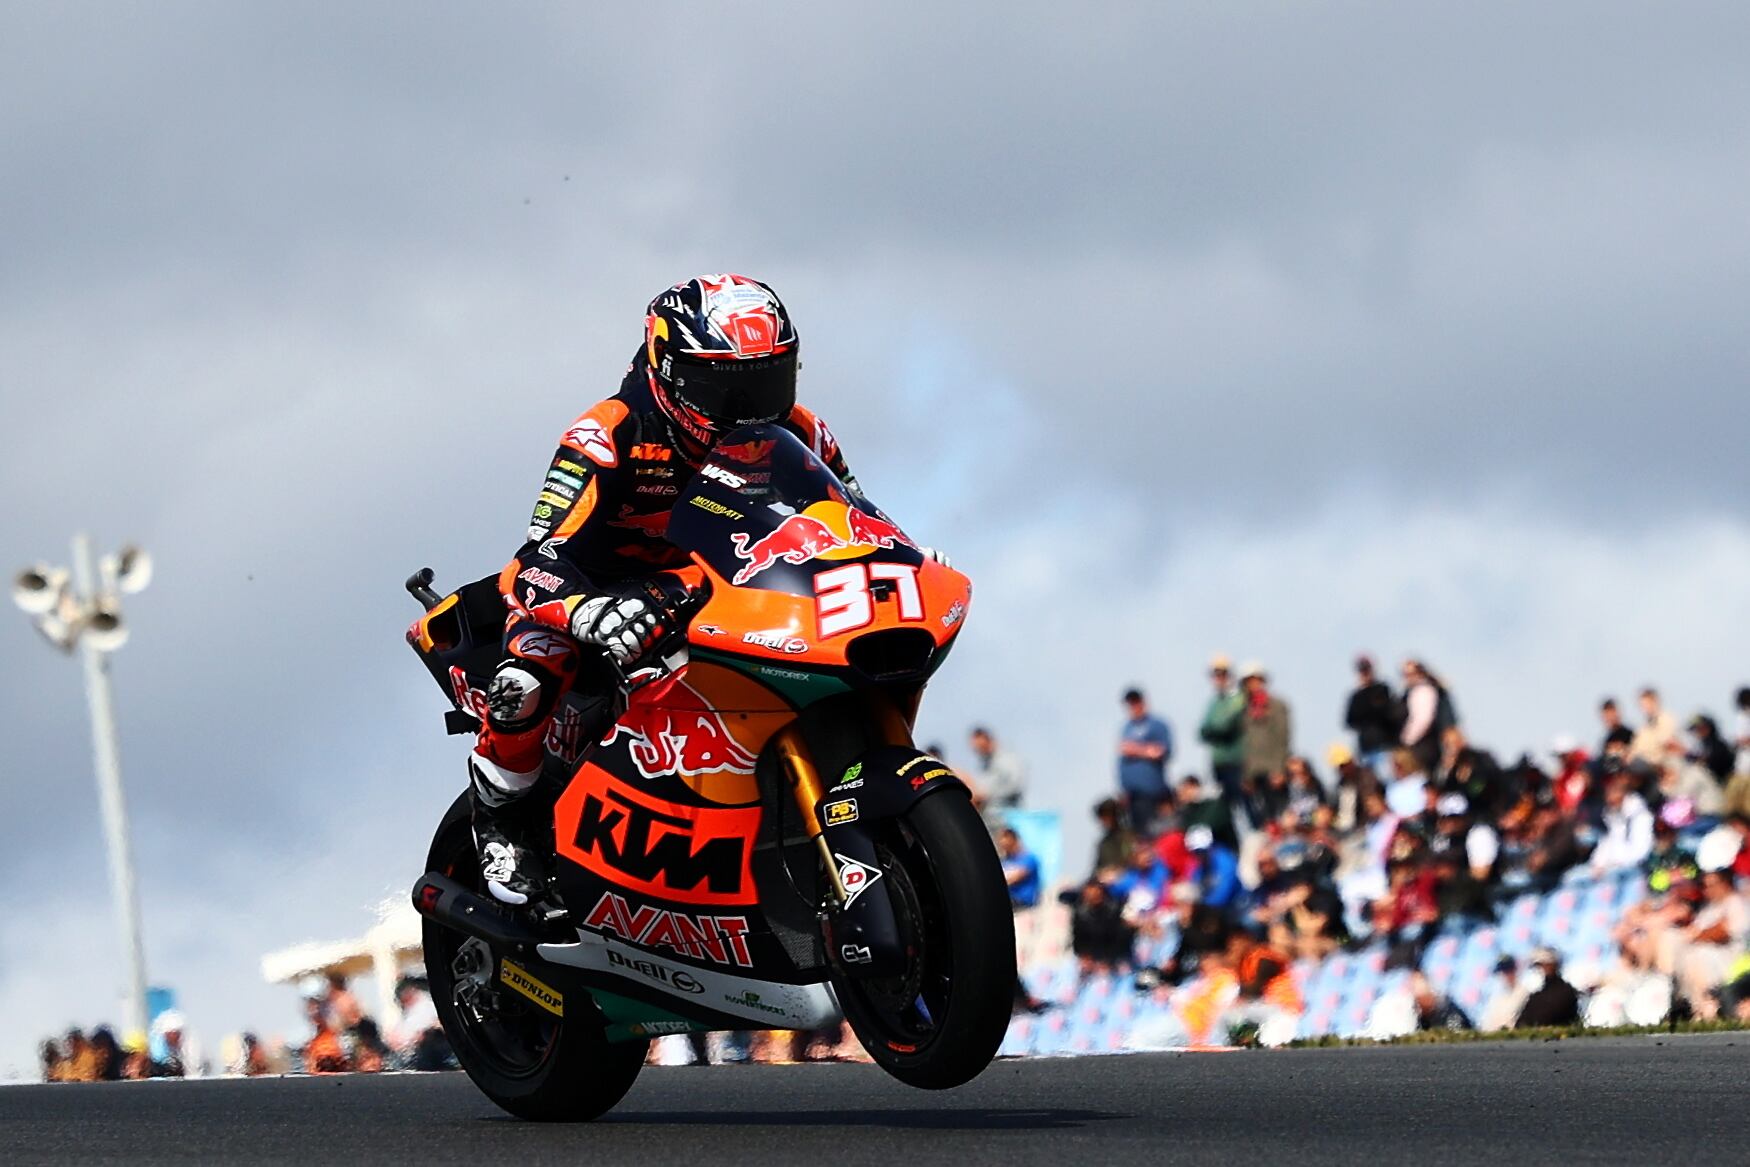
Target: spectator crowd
(341, 1039)
(1404, 831)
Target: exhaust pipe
(444, 901)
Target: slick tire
(967, 927)
(545, 1070)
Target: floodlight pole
(109, 790)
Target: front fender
(880, 786)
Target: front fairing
(807, 571)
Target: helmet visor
(736, 393)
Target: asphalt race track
(1632, 1100)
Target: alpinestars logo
(589, 436)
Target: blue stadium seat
(1054, 981)
(1362, 990)
(1482, 945)
(1316, 1022)
(1110, 1037)
(1519, 924)
(1097, 988)
(1351, 1020)
(1018, 1042)
(1600, 895)
(1470, 997)
(1317, 979)
(1052, 1035)
(1440, 959)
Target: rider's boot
(510, 827)
(504, 774)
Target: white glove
(938, 556)
(625, 627)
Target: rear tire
(530, 1063)
(939, 1024)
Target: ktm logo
(697, 855)
(651, 452)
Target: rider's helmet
(722, 354)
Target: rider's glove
(938, 556)
(627, 627)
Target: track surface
(1632, 1100)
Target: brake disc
(472, 969)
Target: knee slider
(519, 698)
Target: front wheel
(939, 1023)
(531, 1062)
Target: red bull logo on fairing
(682, 735)
(818, 532)
(874, 530)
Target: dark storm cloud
(299, 297)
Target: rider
(719, 352)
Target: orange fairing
(665, 850)
(859, 596)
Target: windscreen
(765, 512)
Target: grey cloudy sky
(1281, 329)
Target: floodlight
(38, 589)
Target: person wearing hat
(1224, 733)
(1481, 845)
(1555, 1001)
(1502, 1010)
(1373, 715)
(1268, 736)
(167, 1027)
(1218, 870)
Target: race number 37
(844, 598)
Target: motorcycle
(744, 836)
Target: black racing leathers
(598, 528)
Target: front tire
(530, 1063)
(939, 1023)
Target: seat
(1018, 1041)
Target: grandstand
(1104, 1013)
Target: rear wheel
(527, 1060)
(939, 1023)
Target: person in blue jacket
(1218, 869)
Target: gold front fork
(806, 786)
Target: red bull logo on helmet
(826, 530)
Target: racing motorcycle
(745, 836)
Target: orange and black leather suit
(598, 528)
